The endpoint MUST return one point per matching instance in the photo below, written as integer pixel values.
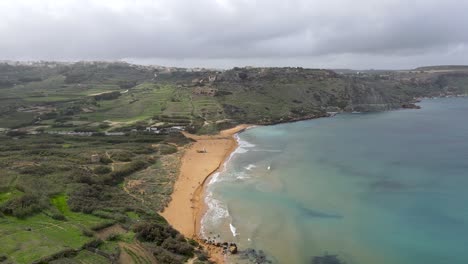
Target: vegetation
(89, 146)
(54, 197)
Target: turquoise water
(372, 188)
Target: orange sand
(187, 205)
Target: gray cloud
(223, 33)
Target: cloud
(304, 32)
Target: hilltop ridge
(206, 99)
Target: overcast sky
(356, 34)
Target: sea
(358, 188)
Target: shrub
(126, 84)
(93, 243)
(144, 150)
(58, 216)
(25, 205)
(39, 170)
(166, 257)
(103, 126)
(167, 149)
(86, 232)
(15, 133)
(178, 247)
(107, 96)
(122, 155)
(202, 256)
(102, 225)
(105, 160)
(154, 232)
(82, 176)
(102, 169)
(193, 242)
(134, 166)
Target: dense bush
(105, 160)
(84, 197)
(15, 133)
(178, 247)
(126, 84)
(154, 232)
(107, 96)
(134, 166)
(25, 205)
(50, 115)
(170, 245)
(122, 155)
(102, 169)
(167, 149)
(82, 176)
(144, 150)
(102, 200)
(39, 170)
(165, 257)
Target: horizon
(229, 68)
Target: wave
(216, 211)
(250, 167)
(243, 147)
(214, 178)
(243, 143)
(242, 176)
(233, 229)
(268, 150)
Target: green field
(26, 240)
(54, 198)
(31, 238)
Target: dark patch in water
(254, 256)
(345, 168)
(326, 259)
(387, 185)
(312, 213)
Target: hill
(443, 68)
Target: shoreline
(187, 205)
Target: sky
(357, 34)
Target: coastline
(187, 205)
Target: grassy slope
(46, 236)
(55, 168)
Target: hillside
(443, 68)
(85, 95)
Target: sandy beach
(187, 206)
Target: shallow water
(372, 188)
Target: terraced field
(26, 240)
